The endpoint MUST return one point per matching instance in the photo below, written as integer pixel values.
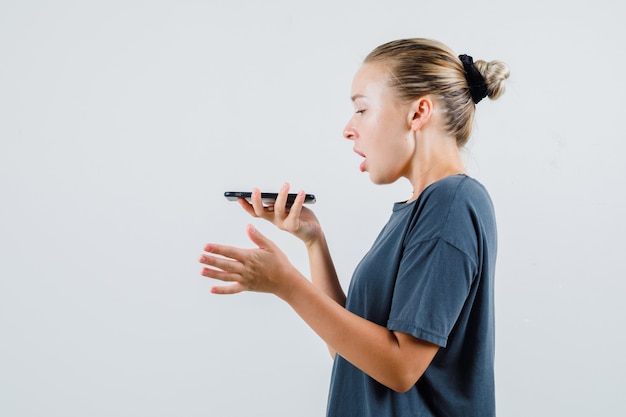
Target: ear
(420, 112)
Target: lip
(356, 151)
(362, 167)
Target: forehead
(371, 80)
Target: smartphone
(267, 198)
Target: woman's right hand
(297, 220)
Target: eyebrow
(357, 96)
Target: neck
(433, 160)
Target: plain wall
(123, 122)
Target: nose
(349, 132)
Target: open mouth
(362, 166)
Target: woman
(415, 335)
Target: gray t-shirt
(430, 273)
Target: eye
(360, 111)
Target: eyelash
(360, 111)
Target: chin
(378, 180)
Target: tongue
(362, 166)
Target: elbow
(402, 386)
(404, 389)
(406, 369)
(404, 382)
(403, 378)
(332, 352)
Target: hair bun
(495, 73)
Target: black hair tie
(475, 80)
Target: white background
(123, 122)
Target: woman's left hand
(264, 269)
(297, 219)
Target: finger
(247, 207)
(223, 250)
(260, 240)
(227, 265)
(296, 208)
(228, 289)
(220, 275)
(257, 203)
(281, 200)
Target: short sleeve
(432, 285)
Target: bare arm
(323, 273)
(324, 277)
(397, 360)
(302, 223)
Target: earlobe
(421, 110)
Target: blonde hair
(424, 66)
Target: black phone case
(267, 197)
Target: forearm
(323, 273)
(374, 349)
(395, 359)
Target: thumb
(258, 238)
